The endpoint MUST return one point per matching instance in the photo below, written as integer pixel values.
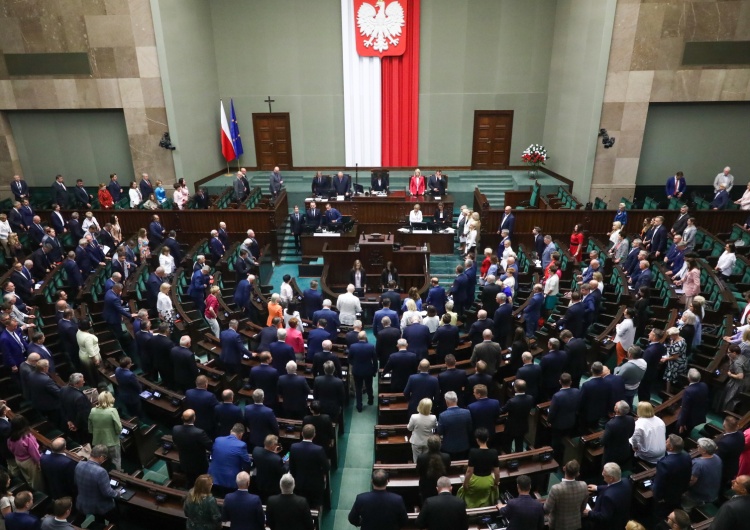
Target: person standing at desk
(417, 183)
(358, 278)
(320, 185)
(437, 184)
(441, 218)
(415, 216)
(296, 222)
(342, 184)
(275, 182)
(379, 182)
(333, 217)
(313, 216)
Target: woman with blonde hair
(410, 313)
(211, 313)
(164, 305)
(614, 235)
(160, 194)
(634, 525)
(166, 261)
(105, 427)
(143, 249)
(200, 506)
(449, 311)
(15, 247)
(471, 238)
(421, 426)
(649, 438)
(88, 350)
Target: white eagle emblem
(382, 27)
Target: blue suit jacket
(563, 410)
(225, 416)
(242, 294)
(113, 309)
(694, 406)
(418, 338)
(484, 413)
(459, 288)
(631, 262)
(378, 510)
(75, 279)
(532, 374)
(294, 390)
(198, 284)
(673, 187)
(260, 421)
(362, 359)
(203, 402)
(315, 340)
(44, 354)
(672, 477)
(341, 186)
(534, 308)
(644, 280)
(217, 249)
(720, 200)
(174, 249)
(436, 296)
(59, 472)
(574, 319)
(420, 386)
(552, 365)
(596, 395)
(229, 456)
(454, 380)
(22, 521)
(612, 508)
(332, 320)
(232, 347)
(115, 190)
(471, 284)
(312, 301)
(265, 377)
(128, 386)
(281, 353)
(378, 317)
(332, 216)
(659, 240)
(616, 387)
(244, 511)
(401, 365)
(455, 427)
(524, 513)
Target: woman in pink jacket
(691, 283)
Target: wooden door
(492, 134)
(273, 140)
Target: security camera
(166, 142)
(607, 140)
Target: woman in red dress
(576, 243)
(105, 199)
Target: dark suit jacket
(265, 377)
(488, 297)
(288, 512)
(294, 390)
(400, 365)
(174, 249)
(225, 416)
(694, 406)
(418, 337)
(270, 468)
(76, 407)
(332, 319)
(296, 223)
(23, 192)
(616, 388)
(232, 347)
(574, 320)
(320, 358)
(489, 352)
(362, 359)
(203, 402)
(532, 374)
(260, 421)
(59, 475)
(524, 513)
(312, 301)
(115, 190)
(244, 511)
(730, 447)
(518, 408)
(57, 223)
(477, 328)
(268, 335)
(155, 232)
(42, 261)
(386, 343)
(612, 508)
(443, 512)
(503, 322)
(22, 521)
(446, 339)
(24, 286)
(596, 395)
(563, 411)
(44, 353)
(616, 439)
(185, 367)
(60, 194)
(192, 443)
(552, 365)
(455, 427)
(309, 466)
(659, 240)
(324, 431)
(576, 350)
(452, 379)
(329, 390)
(420, 386)
(44, 392)
(281, 353)
(128, 386)
(378, 510)
(313, 219)
(159, 348)
(436, 297)
(484, 413)
(720, 200)
(672, 477)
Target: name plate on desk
(340, 198)
(327, 234)
(421, 231)
(437, 198)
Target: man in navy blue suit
(445, 340)
(315, 339)
(313, 216)
(75, 278)
(260, 420)
(451, 380)
(613, 499)
(281, 352)
(174, 247)
(658, 238)
(293, 390)
(332, 217)
(552, 365)
(652, 355)
(729, 447)
(114, 311)
(386, 311)
(562, 415)
(644, 276)
(502, 320)
(342, 184)
(312, 300)
(455, 428)
(216, 247)
(531, 374)
(226, 414)
(128, 387)
(37, 346)
(364, 365)
(508, 222)
(332, 318)
(595, 397)
(197, 290)
(241, 508)
(694, 404)
(114, 188)
(436, 296)
(629, 263)
(379, 509)
(524, 512)
(459, 290)
(309, 466)
(421, 385)
(268, 335)
(484, 411)
(145, 186)
(533, 310)
(155, 231)
(672, 479)
(574, 319)
(232, 349)
(518, 408)
(203, 402)
(418, 337)
(320, 358)
(617, 434)
(58, 470)
(242, 293)
(21, 519)
(400, 365)
(470, 271)
(616, 386)
(721, 199)
(265, 377)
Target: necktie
(18, 340)
(18, 185)
(296, 217)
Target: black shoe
(359, 409)
(369, 401)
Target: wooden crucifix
(269, 101)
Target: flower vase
(534, 171)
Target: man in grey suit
(487, 351)
(567, 500)
(549, 248)
(275, 182)
(240, 190)
(61, 509)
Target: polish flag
(227, 149)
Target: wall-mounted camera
(166, 142)
(607, 140)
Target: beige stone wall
(118, 35)
(645, 66)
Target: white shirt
(614, 237)
(649, 439)
(167, 263)
(288, 317)
(726, 263)
(415, 216)
(164, 305)
(407, 316)
(5, 230)
(181, 197)
(471, 239)
(510, 281)
(432, 323)
(135, 197)
(348, 305)
(89, 222)
(721, 178)
(625, 333)
(507, 253)
(552, 285)
(286, 294)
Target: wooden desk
(312, 243)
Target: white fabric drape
(362, 97)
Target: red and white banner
(227, 148)
(380, 27)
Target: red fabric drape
(400, 93)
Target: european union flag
(234, 131)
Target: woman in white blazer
(421, 426)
